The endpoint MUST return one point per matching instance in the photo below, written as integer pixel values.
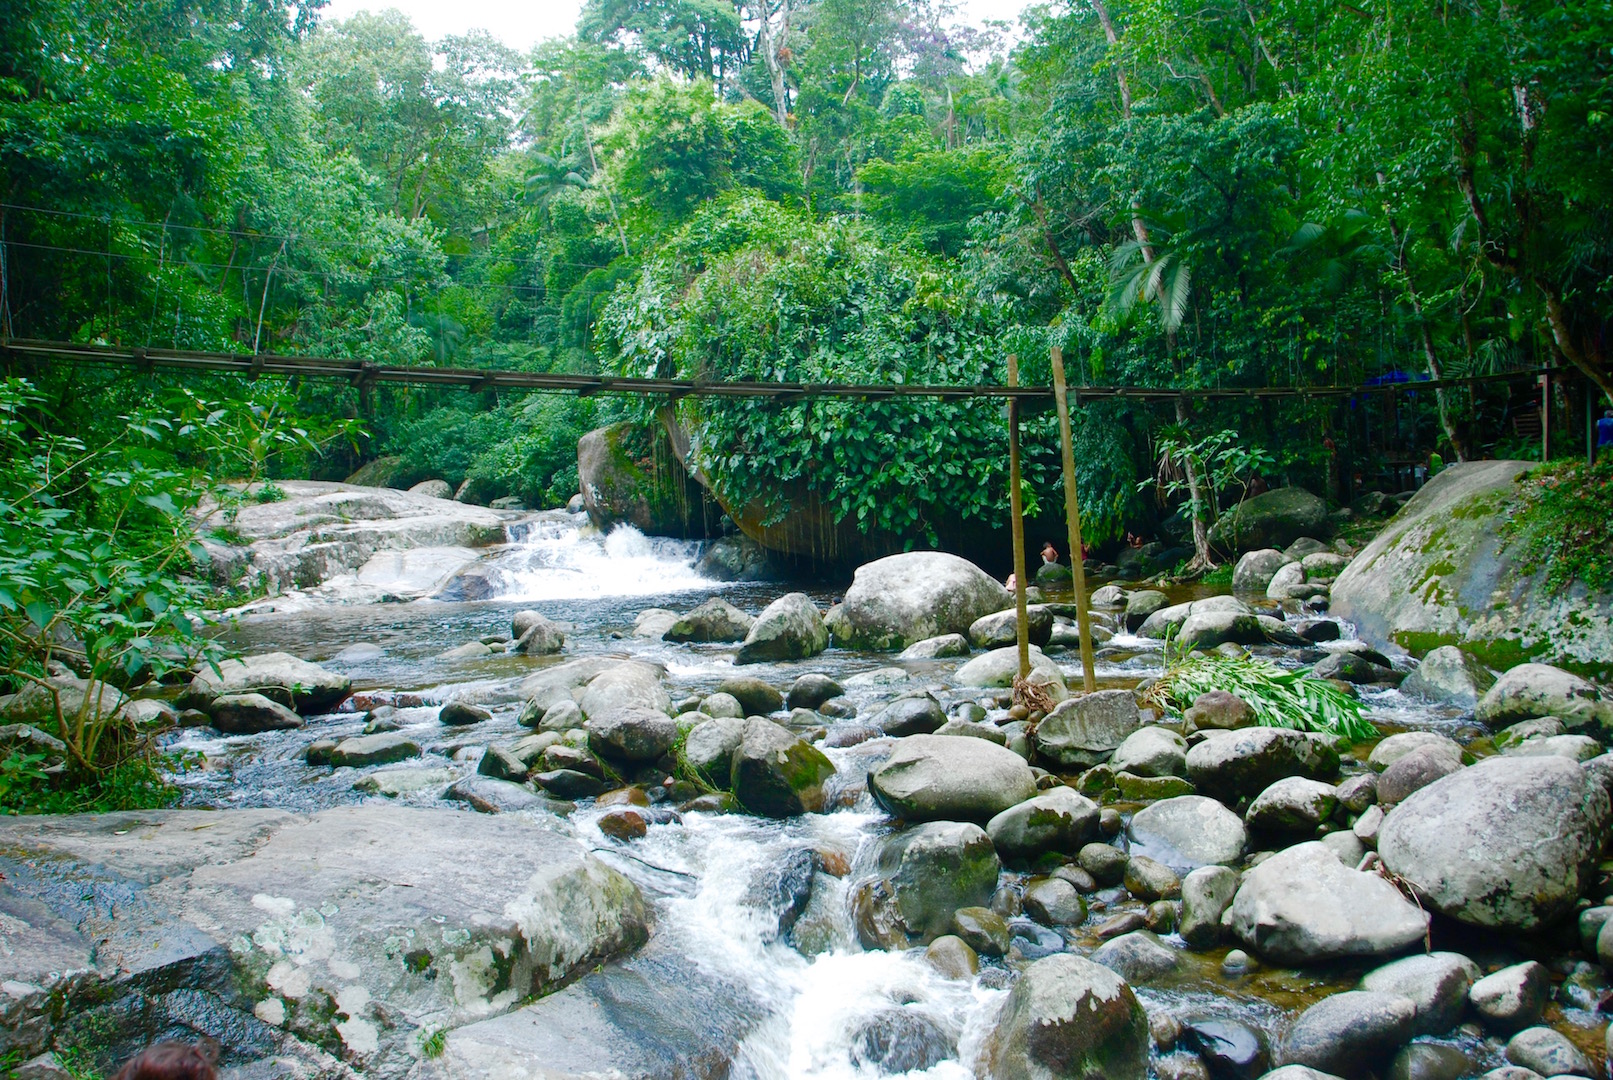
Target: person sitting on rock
(1050, 554)
(169, 1061)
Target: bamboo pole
(1016, 509)
(1072, 513)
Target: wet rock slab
(352, 930)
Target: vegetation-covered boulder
(926, 874)
(1272, 520)
(629, 474)
(775, 773)
(1448, 570)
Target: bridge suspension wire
(365, 373)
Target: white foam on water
(560, 561)
(816, 1006)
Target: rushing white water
(558, 559)
(817, 1004)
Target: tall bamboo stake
(1016, 509)
(1072, 513)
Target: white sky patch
(523, 23)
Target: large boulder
(634, 734)
(1350, 1033)
(777, 774)
(342, 937)
(901, 599)
(1273, 520)
(709, 748)
(1000, 667)
(1206, 630)
(1508, 843)
(1056, 820)
(1151, 751)
(629, 475)
(1531, 690)
(249, 714)
(790, 628)
(1068, 1017)
(1232, 764)
(925, 875)
(1444, 573)
(364, 542)
(39, 702)
(943, 777)
(1086, 730)
(625, 684)
(1436, 984)
(714, 620)
(734, 558)
(294, 683)
(1002, 627)
(1255, 569)
(1187, 832)
(1303, 906)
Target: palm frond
(1279, 698)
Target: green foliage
(1279, 698)
(433, 1043)
(1562, 521)
(523, 447)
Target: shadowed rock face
(1442, 574)
(336, 937)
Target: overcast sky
(522, 23)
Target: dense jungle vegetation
(1238, 193)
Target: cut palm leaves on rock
(1279, 698)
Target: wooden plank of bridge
(1016, 510)
(1072, 513)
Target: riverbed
(811, 992)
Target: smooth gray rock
(716, 620)
(623, 684)
(1292, 806)
(1207, 892)
(1151, 751)
(1429, 1061)
(1274, 519)
(917, 714)
(224, 917)
(1437, 985)
(1533, 690)
(536, 635)
(1001, 628)
(1187, 832)
(1511, 998)
(1065, 1017)
(1000, 667)
(1217, 710)
(1541, 727)
(501, 764)
(790, 628)
(1234, 764)
(726, 706)
(1137, 957)
(1299, 1072)
(1576, 748)
(294, 683)
(633, 733)
(1348, 1033)
(756, 696)
(1149, 880)
(1506, 843)
(364, 750)
(1085, 730)
(1395, 747)
(1449, 675)
(249, 714)
(1054, 902)
(709, 748)
(1255, 569)
(1056, 820)
(490, 795)
(1547, 1052)
(1414, 772)
(902, 599)
(938, 777)
(462, 714)
(811, 690)
(1208, 629)
(1302, 906)
(937, 648)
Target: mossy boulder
(1068, 1016)
(1273, 520)
(629, 474)
(1443, 573)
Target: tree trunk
(1203, 558)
